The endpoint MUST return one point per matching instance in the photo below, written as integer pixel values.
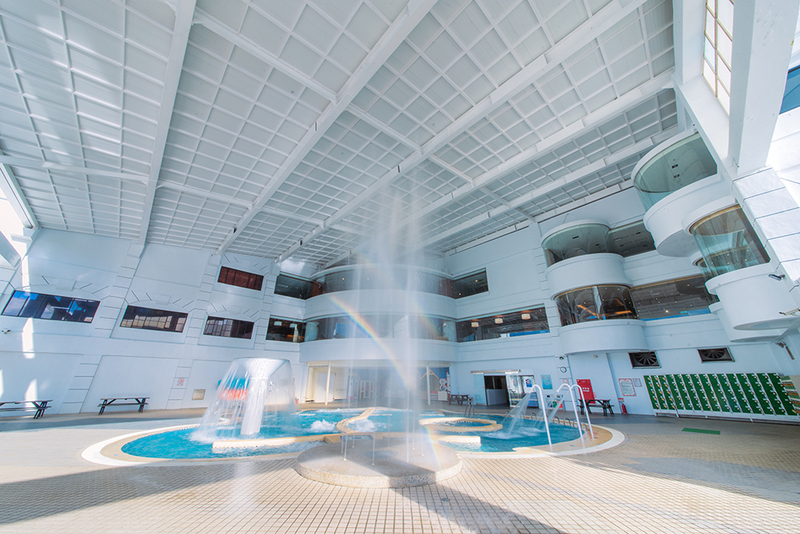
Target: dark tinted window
(297, 288)
(219, 326)
(630, 240)
(511, 324)
(289, 330)
(240, 278)
(381, 326)
(55, 308)
(470, 285)
(672, 298)
(151, 319)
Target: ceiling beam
(184, 15)
(31, 163)
(246, 44)
(10, 188)
(632, 98)
(605, 19)
(540, 192)
(412, 14)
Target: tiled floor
(661, 479)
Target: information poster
(626, 387)
(547, 382)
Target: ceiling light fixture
(526, 316)
(498, 320)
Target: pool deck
(663, 478)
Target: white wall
(75, 364)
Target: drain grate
(701, 431)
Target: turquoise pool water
(185, 444)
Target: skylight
(719, 49)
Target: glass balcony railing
(727, 242)
(588, 238)
(681, 164)
(595, 303)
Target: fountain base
(393, 467)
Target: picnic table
(605, 404)
(460, 399)
(39, 405)
(125, 401)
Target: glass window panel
(220, 326)
(672, 298)
(630, 240)
(710, 34)
(152, 319)
(728, 242)
(615, 302)
(243, 279)
(709, 53)
(470, 285)
(52, 307)
(508, 324)
(725, 15)
(724, 47)
(290, 286)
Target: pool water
(187, 444)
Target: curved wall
(752, 299)
(600, 336)
(588, 270)
(376, 301)
(666, 220)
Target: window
(240, 278)
(380, 326)
(289, 330)
(510, 324)
(791, 95)
(470, 285)
(728, 242)
(219, 326)
(55, 308)
(643, 359)
(297, 288)
(630, 240)
(672, 298)
(715, 355)
(719, 49)
(595, 303)
(150, 319)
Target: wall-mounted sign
(637, 382)
(626, 387)
(547, 382)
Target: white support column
(763, 33)
(199, 313)
(262, 324)
(328, 384)
(428, 382)
(111, 306)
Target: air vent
(715, 355)
(643, 359)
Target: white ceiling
(288, 129)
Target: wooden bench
(39, 406)
(605, 404)
(126, 401)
